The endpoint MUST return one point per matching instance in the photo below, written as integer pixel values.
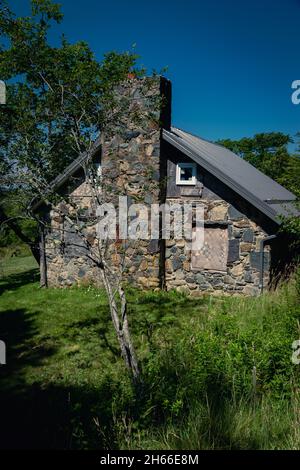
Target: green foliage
(217, 372)
(56, 95)
(57, 102)
(269, 153)
(15, 204)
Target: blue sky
(231, 62)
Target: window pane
(186, 174)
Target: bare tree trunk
(118, 315)
(125, 329)
(121, 326)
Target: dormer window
(186, 174)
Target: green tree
(58, 101)
(269, 153)
(56, 105)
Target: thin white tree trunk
(120, 322)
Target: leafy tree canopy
(57, 97)
(269, 153)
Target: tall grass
(225, 379)
(217, 372)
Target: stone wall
(242, 227)
(242, 266)
(67, 263)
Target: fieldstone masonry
(241, 274)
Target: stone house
(242, 249)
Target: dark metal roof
(262, 192)
(69, 171)
(75, 165)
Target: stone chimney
(133, 165)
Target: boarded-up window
(213, 256)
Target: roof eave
(187, 150)
(79, 162)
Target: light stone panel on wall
(213, 255)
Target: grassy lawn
(64, 385)
(61, 350)
(11, 266)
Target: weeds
(217, 373)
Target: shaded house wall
(135, 161)
(233, 231)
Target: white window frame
(179, 181)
